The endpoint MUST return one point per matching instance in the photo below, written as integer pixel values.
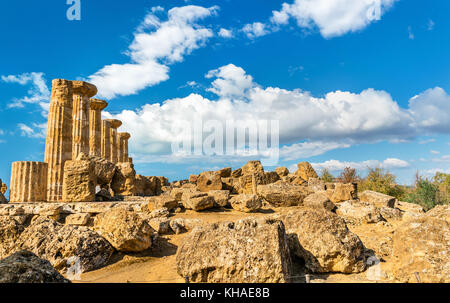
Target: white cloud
(226, 33)
(410, 33)
(435, 152)
(430, 25)
(335, 165)
(38, 92)
(426, 141)
(332, 17)
(256, 29)
(156, 45)
(309, 126)
(36, 131)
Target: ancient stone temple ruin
(75, 131)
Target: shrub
(425, 194)
(349, 175)
(384, 182)
(326, 176)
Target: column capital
(124, 136)
(83, 88)
(97, 104)
(114, 123)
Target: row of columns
(74, 126)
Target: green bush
(384, 182)
(326, 176)
(425, 193)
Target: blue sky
(349, 88)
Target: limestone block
(79, 181)
(29, 182)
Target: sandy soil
(158, 265)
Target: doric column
(123, 146)
(95, 126)
(58, 145)
(106, 139)
(28, 182)
(114, 140)
(82, 92)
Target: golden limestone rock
(124, 229)
(79, 181)
(378, 199)
(246, 251)
(209, 181)
(3, 187)
(282, 194)
(323, 241)
(306, 171)
(123, 147)
(246, 203)
(282, 171)
(344, 192)
(124, 180)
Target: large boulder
(221, 197)
(252, 167)
(246, 203)
(124, 229)
(124, 180)
(421, 247)
(323, 241)
(282, 171)
(163, 201)
(247, 251)
(3, 187)
(282, 194)
(440, 212)
(225, 172)
(357, 212)
(197, 201)
(248, 183)
(104, 170)
(319, 199)
(378, 199)
(316, 184)
(26, 267)
(79, 181)
(306, 171)
(344, 192)
(59, 244)
(209, 181)
(143, 186)
(10, 231)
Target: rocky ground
(246, 225)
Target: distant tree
(382, 181)
(425, 193)
(442, 181)
(326, 176)
(349, 175)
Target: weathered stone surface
(58, 145)
(282, 194)
(123, 147)
(57, 243)
(193, 178)
(104, 170)
(79, 181)
(282, 171)
(357, 212)
(104, 195)
(78, 219)
(197, 201)
(246, 203)
(225, 172)
(209, 181)
(391, 213)
(344, 192)
(247, 251)
(181, 225)
(378, 199)
(26, 267)
(124, 180)
(252, 167)
(161, 225)
(10, 231)
(306, 171)
(319, 200)
(28, 182)
(236, 173)
(106, 140)
(248, 183)
(422, 246)
(124, 229)
(3, 199)
(95, 126)
(316, 184)
(114, 140)
(440, 212)
(163, 201)
(323, 241)
(221, 197)
(143, 186)
(3, 187)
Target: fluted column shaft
(58, 145)
(114, 140)
(29, 182)
(82, 91)
(123, 147)
(106, 139)
(95, 126)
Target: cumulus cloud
(308, 125)
(157, 44)
(226, 33)
(38, 92)
(335, 165)
(332, 17)
(35, 131)
(256, 29)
